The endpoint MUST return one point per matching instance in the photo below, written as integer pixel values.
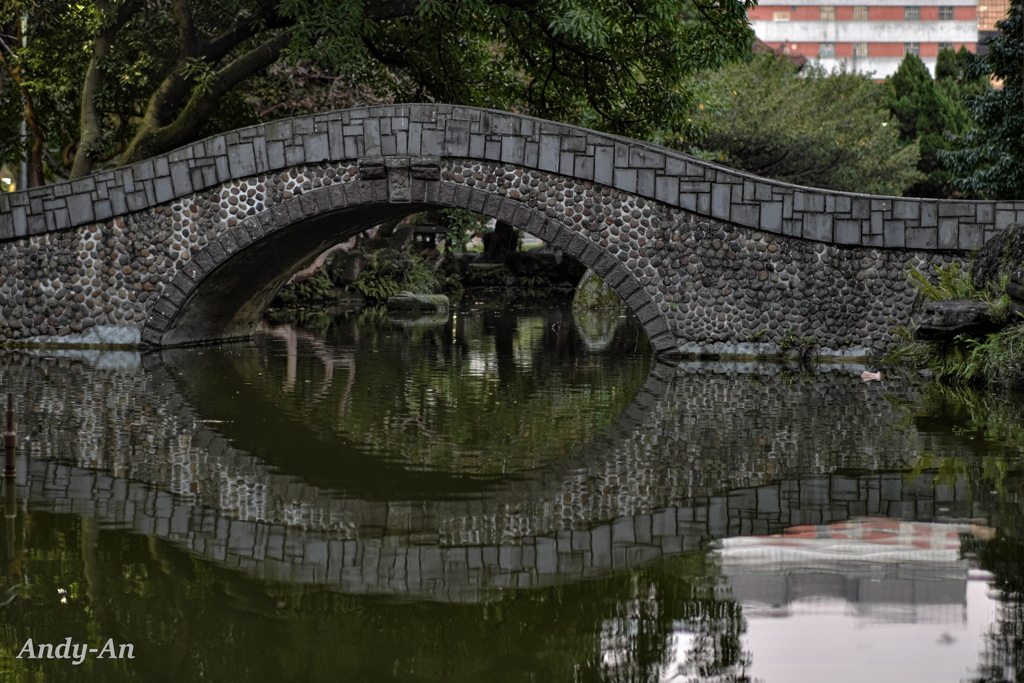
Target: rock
(592, 293)
(943, 320)
(1015, 290)
(408, 301)
(998, 257)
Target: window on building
(780, 16)
(945, 46)
(945, 14)
(990, 12)
(912, 14)
(828, 13)
(826, 49)
(860, 13)
(912, 49)
(860, 49)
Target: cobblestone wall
(189, 246)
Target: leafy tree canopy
(809, 127)
(105, 81)
(931, 112)
(989, 160)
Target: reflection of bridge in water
(655, 484)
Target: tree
(121, 80)
(988, 161)
(930, 113)
(809, 127)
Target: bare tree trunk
(90, 135)
(502, 242)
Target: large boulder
(943, 320)
(409, 301)
(1015, 290)
(999, 257)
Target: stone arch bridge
(190, 246)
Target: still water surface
(503, 496)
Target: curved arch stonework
(189, 247)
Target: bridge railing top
(458, 132)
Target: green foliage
(315, 287)
(809, 127)
(954, 283)
(173, 72)
(803, 345)
(988, 161)
(996, 359)
(930, 113)
(388, 272)
(463, 225)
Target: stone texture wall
(698, 455)
(189, 246)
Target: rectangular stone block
(746, 214)
(513, 149)
(721, 200)
(431, 143)
(985, 212)
(574, 143)
(906, 209)
(1005, 218)
(694, 186)
(621, 155)
(971, 236)
(771, 216)
(645, 182)
(80, 207)
(704, 203)
(860, 208)
(316, 146)
(847, 231)
(457, 138)
(675, 166)
(626, 179)
(808, 201)
(922, 238)
(645, 158)
(604, 165)
(371, 138)
(929, 214)
(893, 232)
(818, 226)
(949, 234)
(949, 208)
(566, 163)
(666, 189)
(548, 153)
(627, 287)
(163, 190)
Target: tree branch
(203, 101)
(90, 134)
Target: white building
(872, 36)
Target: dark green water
(498, 496)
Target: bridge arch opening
(222, 291)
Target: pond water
(512, 495)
